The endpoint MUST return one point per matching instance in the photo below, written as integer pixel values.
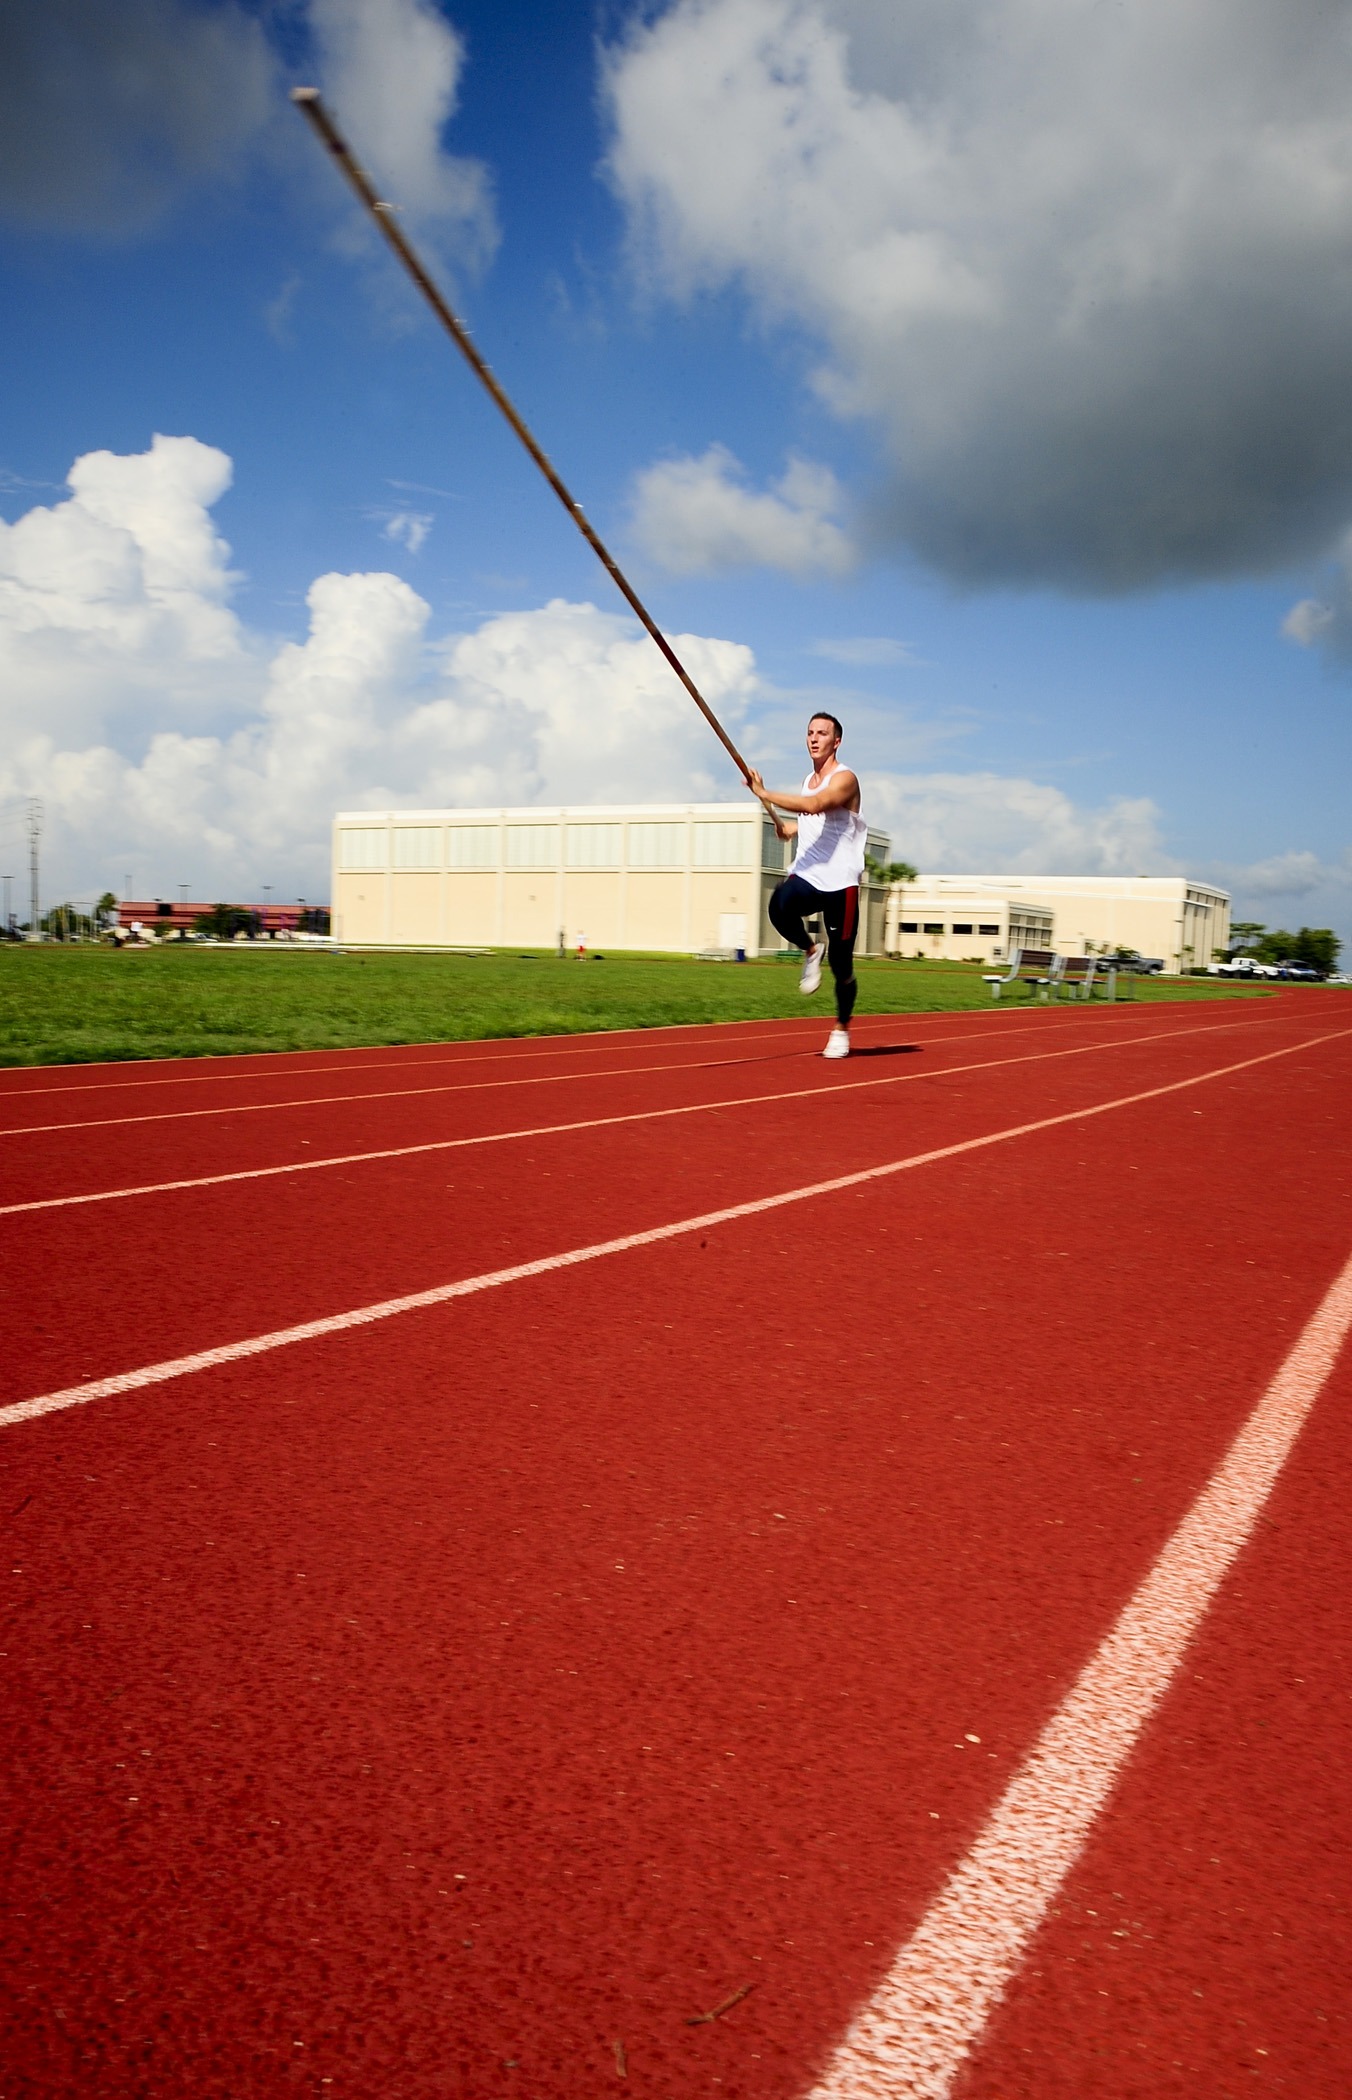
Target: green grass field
(76, 1005)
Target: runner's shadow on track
(886, 1050)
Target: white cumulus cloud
(599, 715)
(111, 114)
(1296, 873)
(1309, 621)
(1299, 887)
(166, 739)
(1084, 265)
(408, 528)
(698, 516)
(990, 823)
(392, 69)
(114, 602)
(1325, 623)
(169, 742)
(864, 651)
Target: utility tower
(34, 835)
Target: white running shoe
(812, 971)
(837, 1043)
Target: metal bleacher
(1038, 968)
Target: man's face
(821, 742)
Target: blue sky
(1063, 544)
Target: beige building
(961, 917)
(962, 924)
(675, 878)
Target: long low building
(982, 917)
(671, 878)
(962, 924)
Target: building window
(361, 849)
(417, 846)
(723, 846)
(593, 845)
(473, 846)
(993, 931)
(934, 925)
(657, 845)
(910, 926)
(773, 849)
(532, 845)
(961, 929)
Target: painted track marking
(539, 1130)
(466, 1086)
(558, 1047)
(913, 2037)
(470, 1286)
(477, 1049)
(396, 1093)
(273, 1064)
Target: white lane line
(913, 2037)
(494, 1279)
(539, 1130)
(398, 1093)
(475, 1086)
(541, 1049)
(460, 1086)
(552, 1050)
(538, 1050)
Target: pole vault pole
(310, 104)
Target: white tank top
(831, 845)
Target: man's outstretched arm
(839, 792)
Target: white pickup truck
(1244, 966)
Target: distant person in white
(828, 867)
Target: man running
(827, 869)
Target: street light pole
(34, 834)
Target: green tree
(105, 911)
(1318, 947)
(891, 870)
(1243, 934)
(1315, 946)
(224, 921)
(64, 923)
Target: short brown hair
(822, 716)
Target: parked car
(1300, 971)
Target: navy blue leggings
(796, 900)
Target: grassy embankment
(74, 1005)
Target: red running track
(429, 1707)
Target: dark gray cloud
(1088, 268)
(109, 109)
